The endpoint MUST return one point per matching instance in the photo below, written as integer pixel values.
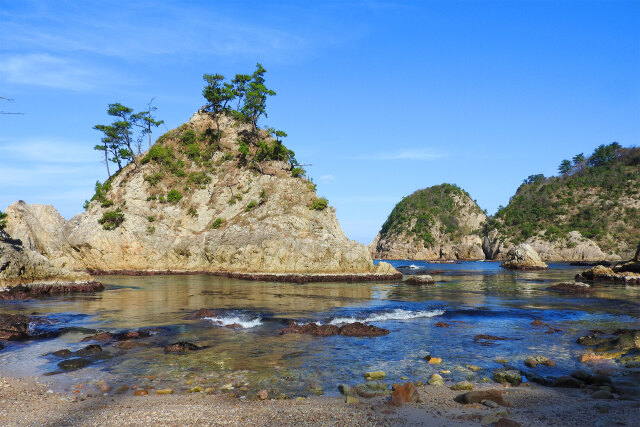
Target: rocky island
(236, 205)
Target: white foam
(397, 314)
(235, 320)
(413, 266)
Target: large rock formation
(193, 204)
(31, 273)
(437, 223)
(589, 213)
(523, 257)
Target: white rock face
(574, 247)
(279, 234)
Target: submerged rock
(375, 375)
(74, 364)
(14, 326)
(423, 279)
(523, 257)
(181, 347)
(533, 361)
(571, 288)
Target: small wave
(413, 266)
(232, 321)
(397, 314)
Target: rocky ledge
(24, 273)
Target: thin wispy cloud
(327, 178)
(43, 69)
(407, 154)
(46, 150)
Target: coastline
(30, 402)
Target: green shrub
(319, 204)
(188, 137)
(252, 204)
(151, 197)
(193, 152)
(159, 154)
(154, 178)
(151, 219)
(227, 156)
(111, 219)
(3, 220)
(217, 223)
(161, 199)
(298, 172)
(174, 196)
(151, 229)
(101, 194)
(199, 178)
(193, 212)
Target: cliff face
(440, 222)
(195, 204)
(592, 212)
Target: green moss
(252, 204)
(153, 178)
(217, 223)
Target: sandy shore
(26, 402)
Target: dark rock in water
(423, 279)
(180, 347)
(355, 329)
(479, 395)
(89, 350)
(441, 325)
(535, 378)
(590, 263)
(592, 339)
(128, 345)
(74, 364)
(488, 338)
(101, 336)
(311, 329)
(358, 329)
(567, 382)
(506, 375)
(571, 288)
(62, 353)
(14, 326)
(506, 422)
(234, 326)
(203, 312)
(533, 361)
(404, 393)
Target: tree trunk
(106, 162)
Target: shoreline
(257, 276)
(30, 402)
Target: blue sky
(380, 97)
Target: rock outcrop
(25, 272)
(196, 204)
(523, 257)
(590, 212)
(436, 223)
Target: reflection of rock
(523, 257)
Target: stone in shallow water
(462, 385)
(74, 364)
(505, 375)
(164, 391)
(375, 375)
(181, 347)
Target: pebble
(350, 400)
(474, 368)
(602, 394)
(462, 385)
(263, 395)
(196, 389)
(140, 392)
(489, 403)
(164, 391)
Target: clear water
(473, 297)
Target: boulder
(355, 329)
(374, 375)
(478, 396)
(462, 385)
(506, 375)
(404, 393)
(523, 257)
(533, 361)
(358, 329)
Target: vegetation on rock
(417, 214)
(111, 219)
(595, 195)
(3, 220)
(319, 204)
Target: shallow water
(473, 297)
